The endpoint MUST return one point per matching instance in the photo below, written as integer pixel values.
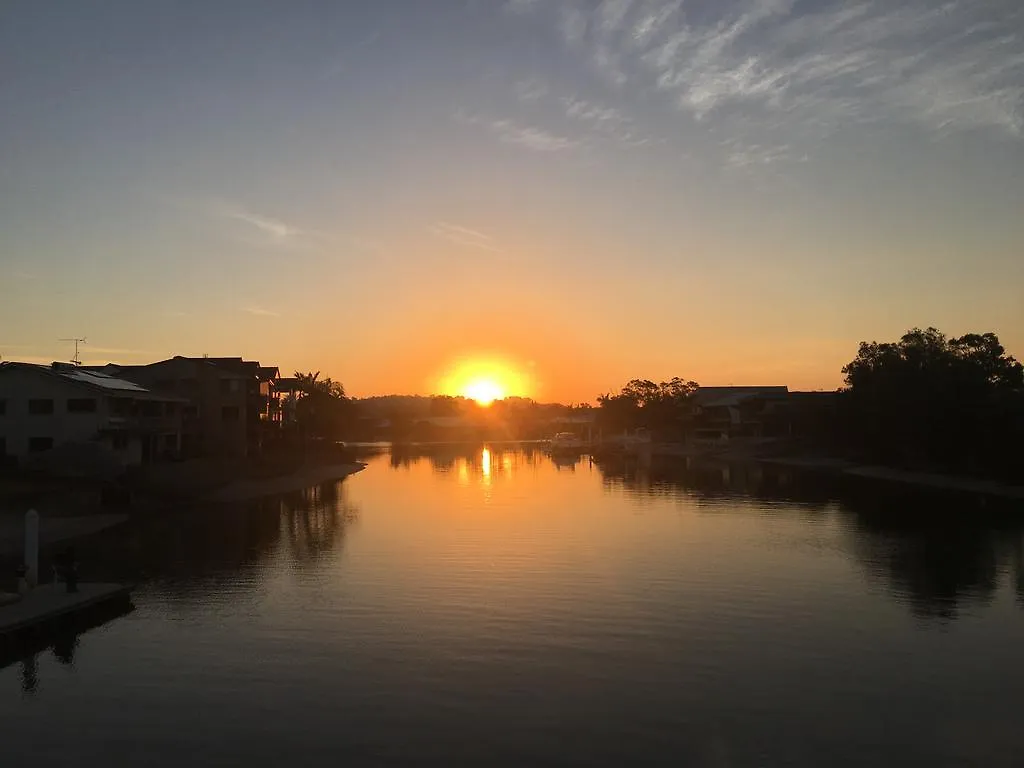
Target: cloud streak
(260, 312)
(465, 236)
(768, 66)
(274, 228)
(523, 135)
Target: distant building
(45, 407)
(724, 413)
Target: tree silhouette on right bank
(935, 403)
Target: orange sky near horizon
(382, 196)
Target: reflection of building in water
(315, 520)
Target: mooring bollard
(71, 574)
(20, 571)
(32, 547)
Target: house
(232, 403)
(725, 413)
(262, 410)
(216, 418)
(288, 391)
(44, 407)
(582, 424)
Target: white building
(44, 407)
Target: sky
(572, 192)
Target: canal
(491, 606)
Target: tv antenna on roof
(76, 360)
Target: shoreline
(930, 480)
(845, 468)
(250, 490)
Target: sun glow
(484, 391)
(485, 380)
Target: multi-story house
(44, 407)
(232, 403)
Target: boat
(567, 442)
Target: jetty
(37, 612)
(49, 603)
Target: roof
(444, 421)
(268, 372)
(579, 418)
(235, 365)
(718, 397)
(288, 385)
(92, 379)
(103, 381)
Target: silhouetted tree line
(925, 402)
(322, 408)
(936, 403)
(665, 407)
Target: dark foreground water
(492, 608)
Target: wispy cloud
(464, 236)
(275, 228)
(529, 136)
(260, 311)
(743, 155)
(608, 121)
(779, 67)
(597, 120)
(531, 90)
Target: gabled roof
(289, 384)
(91, 379)
(103, 381)
(717, 397)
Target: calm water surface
(492, 607)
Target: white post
(32, 547)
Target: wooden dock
(50, 605)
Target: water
(492, 607)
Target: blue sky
(736, 192)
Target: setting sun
(485, 380)
(484, 391)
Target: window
(150, 409)
(119, 442)
(40, 407)
(229, 413)
(230, 386)
(120, 406)
(38, 444)
(190, 412)
(82, 405)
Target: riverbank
(52, 530)
(929, 480)
(248, 490)
(767, 452)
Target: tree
(322, 408)
(933, 402)
(664, 407)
